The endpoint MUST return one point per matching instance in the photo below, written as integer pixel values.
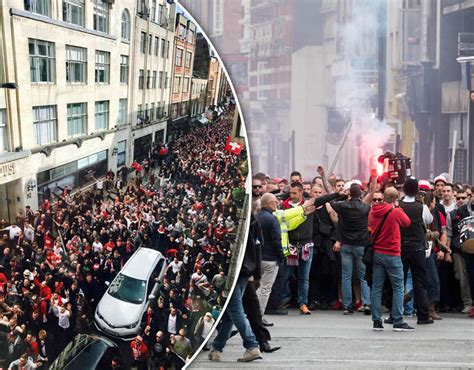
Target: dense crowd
(55, 261)
(330, 243)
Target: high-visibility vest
(289, 219)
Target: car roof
(142, 262)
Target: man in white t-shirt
(176, 265)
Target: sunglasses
(460, 198)
(377, 200)
(256, 186)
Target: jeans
(393, 267)
(235, 315)
(304, 268)
(348, 253)
(433, 279)
(409, 306)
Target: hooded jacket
(388, 239)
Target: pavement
(330, 340)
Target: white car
(120, 310)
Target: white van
(120, 310)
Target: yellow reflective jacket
(289, 219)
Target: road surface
(328, 339)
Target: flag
(232, 146)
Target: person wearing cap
(413, 247)
(439, 182)
(203, 328)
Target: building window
(125, 33)
(187, 61)
(102, 67)
(218, 18)
(141, 78)
(160, 80)
(122, 115)
(182, 32)
(76, 119)
(167, 49)
(41, 7)
(153, 11)
(157, 45)
(160, 14)
(148, 79)
(3, 131)
(153, 81)
(101, 16)
(179, 57)
(42, 61)
(143, 42)
(45, 124)
(186, 84)
(73, 12)
(101, 115)
(152, 112)
(177, 82)
(123, 69)
(163, 48)
(121, 152)
(139, 113)
(167, 80)
(76, 64)
(190, 36)
(150, 45)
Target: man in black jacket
(352, 232)
(272, 252)
(234, 314)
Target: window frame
(51, 119)
(124, 68)
(104, 112)
(36, 57)
(82, 116)
(105, 65)
(125, 25)
(82, 63)
(67, 11)
(101, 10)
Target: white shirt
(172, 324)
(97, 246)
(176, 267)
(449, 208)
(427, 216)
(207, 326)
(14, 231)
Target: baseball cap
(424, 185)
(440, 178)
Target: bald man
(272, 251)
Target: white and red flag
(233, 146)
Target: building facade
(74, 115)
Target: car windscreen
(73, 350)
(128, 289)
(89, 357)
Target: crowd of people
(55, 261)
(331, 243)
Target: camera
(396, 168)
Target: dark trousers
(413, 257)
(469, 258)
(252, 310)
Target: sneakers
(304, 310)
(471, 313)
(466, 310)
(337, 306)
(388, 320)
(348, 311)
(377, 326)
(425, 322)
(250, 355)
(214, 355)
(367, 311)
(277, 311)
(402, 327)
(359, 307)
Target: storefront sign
(7, 169)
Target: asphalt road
(327, 339)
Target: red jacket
(389, 240)
(139, 351)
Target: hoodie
(389, 239)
